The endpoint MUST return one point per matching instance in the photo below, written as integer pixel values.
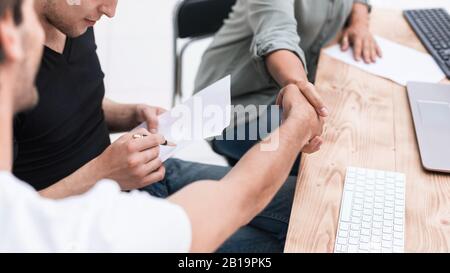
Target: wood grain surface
(371, 127)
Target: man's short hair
(15, 6)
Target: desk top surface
(371, 127)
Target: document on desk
(204, 115)
(399, 63)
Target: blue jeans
(233, 150)
(266, 233)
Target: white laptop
(430, 106)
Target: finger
(152, 166)
(313, 143)
(366, 52)
(280, 97)
(374, 53)
(316, 140)
(138, 131)
(148, 142)
(308, 149)
(150, 154)
(357, 49)
(345, 44)
(313, 146)
(311, 94)
(321, 127)
(140, 160)
(154, 177)
(151, 117)
(312, 150)
(160, 110)
(378, 50)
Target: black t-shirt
(67, 129)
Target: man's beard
(67, 29)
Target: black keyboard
(433, 28)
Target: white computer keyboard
(372, 215)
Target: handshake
(133, 161)
(302, 105)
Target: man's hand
(358, 35)
(296, 107)
(309, 91)
(134, 162)
(148, 114)
(286, 68)
(122, 117)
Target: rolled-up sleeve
(274, 28)
(367, 2)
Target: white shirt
(102, 220)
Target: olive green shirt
(256, 28)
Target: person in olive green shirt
(268, 44)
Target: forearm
(261, 172)
(217, 209)
(285, 67)
(360, 14)
(119, 117)
(77, 183)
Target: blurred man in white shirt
(198, 218)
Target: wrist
(360, 14)
(78, 183)
(298, 134)
(98, 170)
(130, 115)
(121, 117)
(298, 80)
(136, 115)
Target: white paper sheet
(204, 115)
(399, 63)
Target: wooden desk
(370, 127)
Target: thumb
(152, 120)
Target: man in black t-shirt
(62, 147)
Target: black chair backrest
(197, 18)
